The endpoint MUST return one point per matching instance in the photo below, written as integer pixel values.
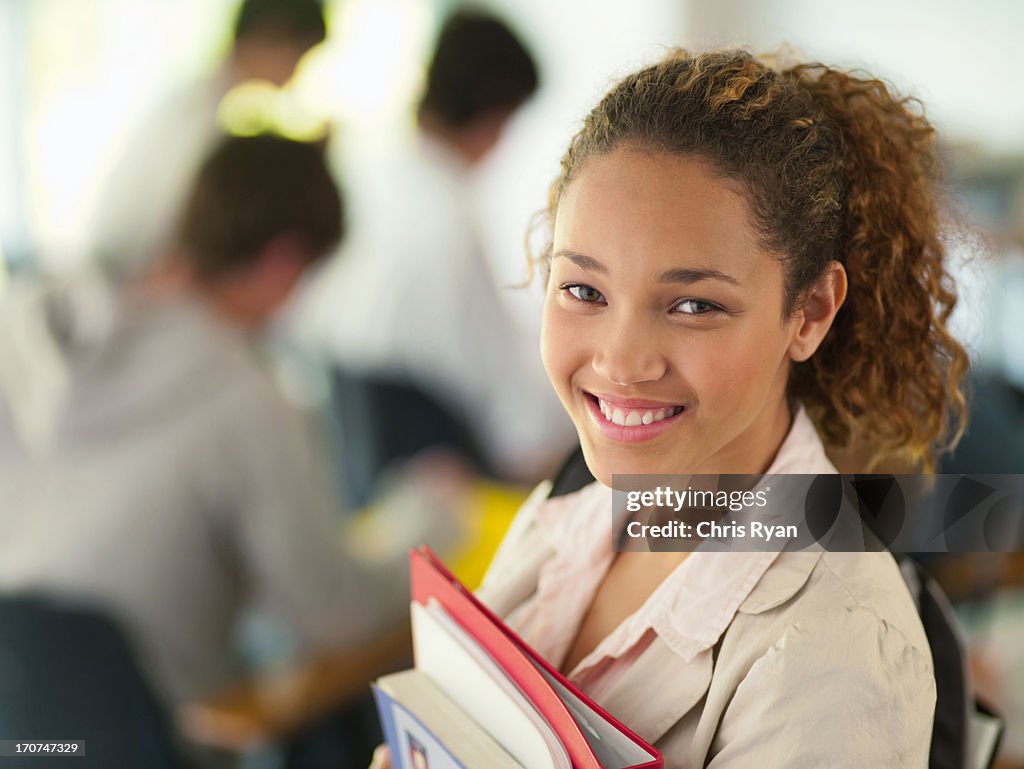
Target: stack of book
(481, 698)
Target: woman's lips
(632, 420)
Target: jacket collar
(711, 586)
(694, 606)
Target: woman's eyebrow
(695, 275)
(678, 275)
(582, 260)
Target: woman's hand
(381, 758)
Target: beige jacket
(823, 664)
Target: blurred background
(85, 95)
(83, 77)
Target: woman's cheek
(711, 362)
(726, 371)
(556, 346)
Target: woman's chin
(605, 468)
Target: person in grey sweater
(148, 465)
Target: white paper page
(613, 749)
(473, 680)
(982, 732)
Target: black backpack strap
(572, 476)
(958, 714)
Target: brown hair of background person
(479, 67)
(272, 36)
(299, 20)
(835, 167)
(236, 207)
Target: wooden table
(269, 710)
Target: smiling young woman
(745, 267)
(664, 332)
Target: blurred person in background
(149, 467)
(413, 302)
(144, 195)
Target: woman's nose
(629, 354)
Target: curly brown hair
(837, 167)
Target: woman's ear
(817, 311)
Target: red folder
(430, 579)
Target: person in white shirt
(143, 196)
(413, 298)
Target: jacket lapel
(658, 689)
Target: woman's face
(663, 329)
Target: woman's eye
(694, 307)
(583, 293)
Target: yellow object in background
(482, 512)
(490, 508)
(258, 107)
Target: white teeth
(630, 418)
